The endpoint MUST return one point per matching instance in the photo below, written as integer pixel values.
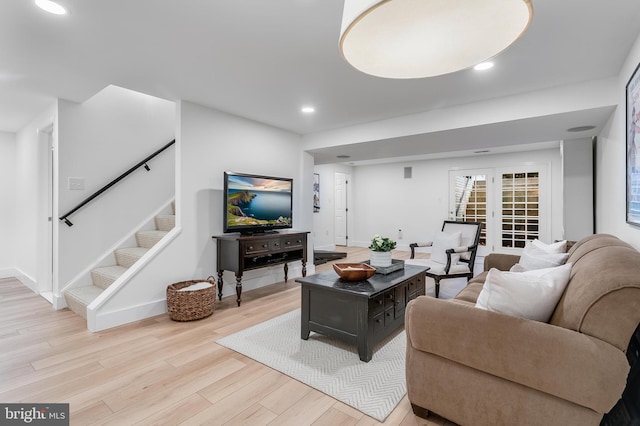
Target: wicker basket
(190, 305)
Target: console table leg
(219, 285)
(238, 288)
(286, 272)
(304, 268)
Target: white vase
(380, 258)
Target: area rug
(328, 365)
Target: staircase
(78, 298)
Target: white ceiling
(265, 59)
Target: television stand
(239, 253)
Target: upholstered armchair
(453, 251)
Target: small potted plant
(381, 251)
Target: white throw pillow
(532, 294)
(197, 286)
(557, 247)
(533, 257)
(443, 242)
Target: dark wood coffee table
(360, 313)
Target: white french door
(471, 199)
(512, 203)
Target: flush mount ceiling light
(426, 38)
(51, 7)
(308, 109)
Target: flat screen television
(256, 203)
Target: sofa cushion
(532, 294)
(535, 257)
(471, 292)
(557, 247)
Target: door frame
(337, 202)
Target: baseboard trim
(257, 278)
(20, 276)
(106, 320)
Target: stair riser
(148, 240)
(76, 306)
(126, 259)
(165, 223)
(100, 280)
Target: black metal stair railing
(143, 163)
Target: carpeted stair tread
(79, 298)
(128, 256)
(148, 239)
(165, 222)
(104, 276)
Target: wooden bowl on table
(354, 271)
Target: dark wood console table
(239, 253)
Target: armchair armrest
(413, 246)
(462, 249)
(500, 261)
(554, 360)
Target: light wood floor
(162, 372)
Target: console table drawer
(293, 242)
(275, 245)
(256, 247)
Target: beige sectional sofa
(479, 367)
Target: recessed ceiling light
(581, 128)
(308, 109)
(51, 7)
(483, 66)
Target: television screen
(255, 203)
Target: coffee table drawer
(376, 305)
(415, 288)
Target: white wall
(210, 142)
(577, 158)
(385, 202)
(323, 221)
(98, 140)
(8, 194)
(611, 161)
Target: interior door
(341, 209)
(471, 199)
(45, 273)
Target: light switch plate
(76, 183)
